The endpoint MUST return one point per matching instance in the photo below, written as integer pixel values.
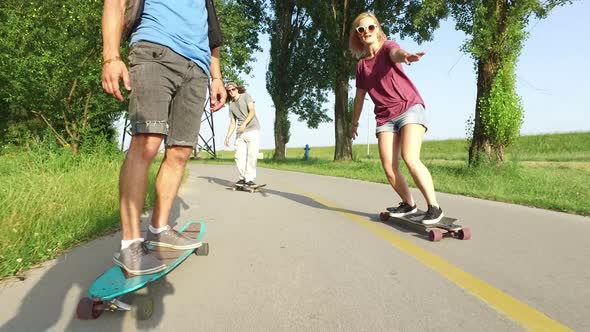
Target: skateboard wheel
(88, 309)
(465, 234)
(143, 308)
(203, 250)
(384, 216)
(435, 235)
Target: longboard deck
(446, 223)
(116, 282)
(239, 187)
(435, 231)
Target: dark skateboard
(446, 226)
(251, 189)
(105, 291)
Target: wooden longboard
(251, 189)
(446, 226)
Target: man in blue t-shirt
(170, 62)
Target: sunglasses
(363, 28)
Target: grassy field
(52, 200)
(546, 171)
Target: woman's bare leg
(411, 143)
(389, 148)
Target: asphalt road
(310, 253)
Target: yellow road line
(519, 312)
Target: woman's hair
(357, 48)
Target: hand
(413, 57)
(112, 72)
(241, 129)
(354, 131)
(218, 95)
(226, 142)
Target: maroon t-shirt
(390, 89)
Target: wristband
(117, 58)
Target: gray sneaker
(171, 239)
(136, 259)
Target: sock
(157, 230)
(126, 243)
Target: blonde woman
(399, 112)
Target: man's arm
(230, 130)
(218, 93)
(113, 67)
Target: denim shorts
(168, 94)
(414, 114)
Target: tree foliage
(51, 53)
(242, 21)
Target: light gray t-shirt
(239, 110)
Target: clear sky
(553, 80)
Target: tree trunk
(75, 148)
(281, 132)
(343, 150)
(481, 146)
(487, 70)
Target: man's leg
(133, 256)
(241, 155)
(133, 181)
(168, 181)
(153, 89)
(186, 110)
(253, 146)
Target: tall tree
(295, 84)
(496, 31)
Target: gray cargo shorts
(168, 94)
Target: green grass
(550, 147)
(51, 201)
(546, 171)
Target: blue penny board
(113, 283)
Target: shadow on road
(302, 199)
(53, 299)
